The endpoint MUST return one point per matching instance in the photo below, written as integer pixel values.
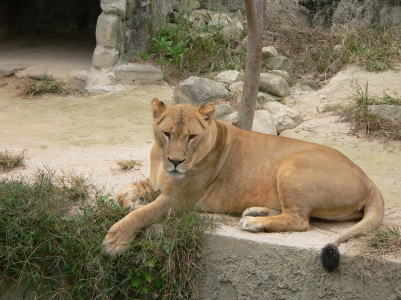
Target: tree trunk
(255, 10)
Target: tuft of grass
(9, 161)
(385, 241)
(128, 164)
(44, 85)
(58, 254)
(373, 125)
(76, 187)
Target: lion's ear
(207, 110)
(158, 107)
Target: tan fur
(278, 183)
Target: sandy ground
(87, 134)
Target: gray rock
(222, 110)
(117, 7)
(228, 77)
(280, 63)
(236, 86)
(281, 73)
(187, 6)
(386, 111)
(283, 116)
(265, 97)
(104, 58)
(274, 84)
(232, 31)
(390, 16)
(196, 90)
(269, 52)
(108, 30)
(138, 74)
(262, 121)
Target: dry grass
(323, 53)
(44, 85)
(128, 164)
(9, 161)
(373, 125)
(384, 241)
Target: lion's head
(185, 133)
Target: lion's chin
(176, 175)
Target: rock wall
(355, 14)
(236, 269)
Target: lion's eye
(167, 134)
(191, 137)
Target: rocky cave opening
(46, 32)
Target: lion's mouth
(176, 174)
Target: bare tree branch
(255, 10)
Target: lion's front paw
(117, 240)
(252, 224)
(129, 197)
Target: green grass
(127, 164)
(185, 49)
(373, 125)
(58, 253)
(44, 85)
(9, 161)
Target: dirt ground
(87, 134)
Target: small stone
(236, 86)
(262, 121)
(222, 110)
(283, 116)
(196, 90)
(386, 111)
(281, 73)
(274, 84)
(138, 74)
(104, 58)
(269, 52)
(228, 77)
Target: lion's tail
(373, 216)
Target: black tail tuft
(330, 257)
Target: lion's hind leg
(136, 195)
(279, 223)
(260, 212)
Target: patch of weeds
(373, 125)
(128, 164)
(186, 49)
(320, 52)
(76, 187)
(9, 161)
(44, 85)
(58, 254)
(335, 107)
(385, 241)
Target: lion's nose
(176, 162)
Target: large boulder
(104, 58)
(228, 76)
(236, 87)
(262, 122)
(274, 84)
(196, 90)
(134, 74)
(108, 30)
(269, 51)
(283, 116)
(386, 111)
(222, 110)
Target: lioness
(277, 183)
